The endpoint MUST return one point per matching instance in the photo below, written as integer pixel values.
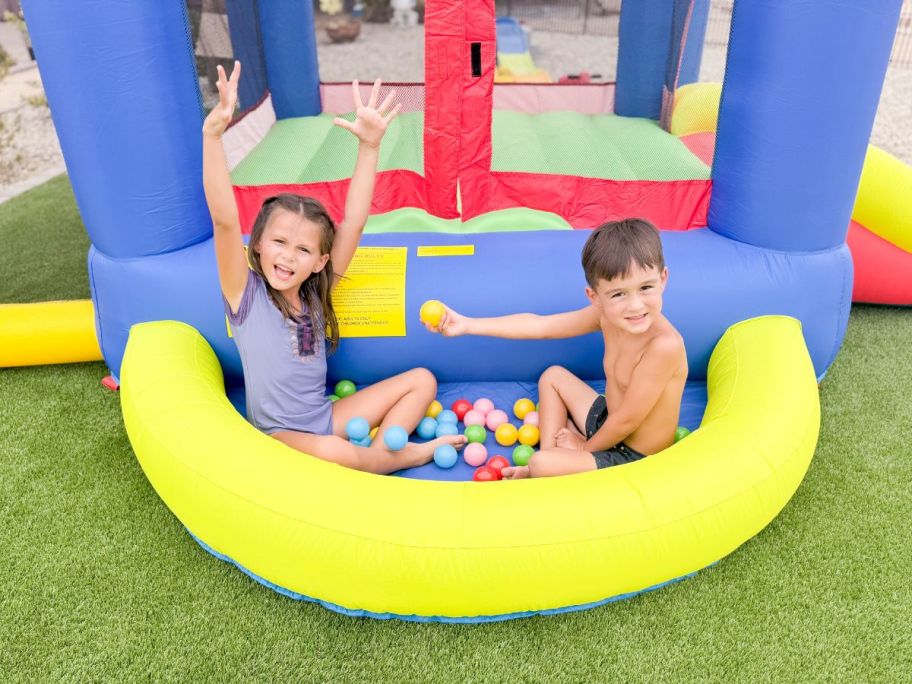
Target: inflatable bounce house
(484, 199)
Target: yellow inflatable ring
(465, 551)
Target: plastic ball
(476, 433)
(427, 428)
(528, 435)
(445, 456)
(444, 429)
(461, 407)
(333, 397)
(498, 463)
(522, 454)
(475, 454)
(366, 442)
(474, 417)
(373, 433)
(345, 388)
(395, 438)
(431, 312)
(484, 405)
(447, 416)
(434, 409)
(506, 434)
(486, 474)
(496, 418)
(522, 407)
(531, 418)
(357, 428)
(681, 433)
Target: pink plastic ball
(495, 419)
(531, 418)
(474, 417)
(475, 454)
(484, 405)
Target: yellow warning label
(446, 250)
(370, 300)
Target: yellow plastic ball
(522, 407)
(528, 435)
(506, 434)
(431, 312)
(373, 433)
(434, 409)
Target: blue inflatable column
(121, 84)
(801, 90)
(643, 47)
(290, 45)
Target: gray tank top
(284, 364)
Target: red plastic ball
(461, 407)
(486, 474)
(498, 463)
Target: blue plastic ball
(427, 428)
(357, 428)
(446, 429)
(366, 442)
(445, 456)
(447, 416)
(395, 438)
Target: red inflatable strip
(589, 202)
(883, 271)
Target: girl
(279, 305)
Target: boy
(645, 362)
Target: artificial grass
(99, 581)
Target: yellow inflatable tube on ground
(48, 332)
(884, 201)
(451, 550)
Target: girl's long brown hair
(317, 289)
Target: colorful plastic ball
(531, 418)
(357, 428)
(522, 453)
(447, 416)
(444, 429)
(431, 312)
(461, 407)
(445, 456)
(495, 419)
(681, 433)
(475, 454)
(476, 433)
(333, 397)
(528, 435)
(522, 407)
(498, 463)
(373, 433)
(395, 438)
(484, 405)
(345, 388)
(427, 428)
(486, 474)
(474, 417)
(434, 409)
(366, 442)
(506, 434)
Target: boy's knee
(551, 375)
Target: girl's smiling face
(289, 251)
(632, 302)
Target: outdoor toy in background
(514, 59)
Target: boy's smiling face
(633, 302)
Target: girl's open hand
(451, 324)
(370, 120)
(220, 116)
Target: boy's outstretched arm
(229, 246)
(369, 127)
(522, 326)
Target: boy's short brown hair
(614, 246)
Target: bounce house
(483, 200)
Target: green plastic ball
(345, 388)
(476, 433)
(333, 397)
(681, 433)
(522, 454)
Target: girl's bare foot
(514, 472)
(423, 453)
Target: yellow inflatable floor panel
(388, 546)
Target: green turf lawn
(98, 581)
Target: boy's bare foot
(514, 472)
(423, 453)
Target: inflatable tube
(884, 201)
(48, 332)
(464, 551)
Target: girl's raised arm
(369, 126)
(229, 246)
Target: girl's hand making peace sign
(370, 120)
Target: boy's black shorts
(620, 453)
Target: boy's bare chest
(619, 366)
